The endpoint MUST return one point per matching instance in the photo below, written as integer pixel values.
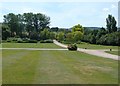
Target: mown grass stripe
(29, 45)
(23, 71)
(61, 67)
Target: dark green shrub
(72, 47)
(14, 40)
(110, 39)
(79, 42)
(20, 42)
(8, 41)
(49, 41)
(11, 39)
(4, 41)
(46, 41)
(42, 41)
(32, 41)
(25, 39)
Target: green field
(0, 67)
(29, 45)
(57, 67)
(51, 45)
(113, 52)
(0, 45)
(93, 46)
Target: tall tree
(20, 24)
(60, 36)
(5, 32)
(77, 36)
(44, 34)
(69, 37)
(78, 28)
(28, 20)
(41, 21)
(111, 24)
(36, 22)
(12, 21)
(78, 31)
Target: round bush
(72, 47)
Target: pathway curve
(100, 53)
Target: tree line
(30, 26)
(104, 36)
(73, 36)
(26, 24)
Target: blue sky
(65, 14)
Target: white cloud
(73, 15)
(28, 9)
(66, 14)
(106, 9)
(113, 6)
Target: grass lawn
(0, 67)
(93, 46)
(113, 52)
(0, 45)
(29, 45)
(57, 67)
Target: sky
(65, 14)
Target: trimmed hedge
(46, 41)
(32, 41)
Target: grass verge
(29, 45)
(113, 52)
(94, 46)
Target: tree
(5, 32)
(119, 29)
(45, 34)
(87, 31)
(27, 22)
(55, 29)
(110, 39)
(40, 21)
(34, 36)
(78, 28)
(77, 36)
(111, 24)
(52, 35)
(69, 37)
(36, 22)
(60, 36)
(43, 21)
(12, 21)
(20, 24)
(92, 39)
(78, 31)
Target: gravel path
(100, 53)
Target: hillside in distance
(93, 28)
